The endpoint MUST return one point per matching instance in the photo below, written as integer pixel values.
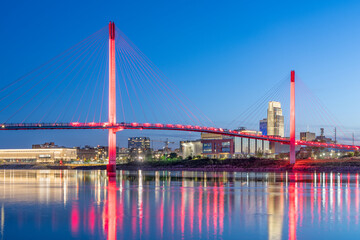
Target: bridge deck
(170, 127)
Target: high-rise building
(275, 120)
(263, 126)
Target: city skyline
(169, 65)
(179, 119)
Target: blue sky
(234, 50)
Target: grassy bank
(248, 165)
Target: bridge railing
(34, 124)
(161, 126)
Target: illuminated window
(207, 148)
(225, 147)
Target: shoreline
(350, 165)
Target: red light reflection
(292, 211)
(75, 219)
(111, 208)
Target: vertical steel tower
(111, 167)
(292, 118)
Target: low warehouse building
(43, 155)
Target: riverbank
(230, 165)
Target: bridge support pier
(292, 118)
(111, 167)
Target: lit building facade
(139, 148)
(191, 148)
(307, 136)
(139, 142)
(42, 155)
(275, 120)
(218, 148)
(217, 145)
(247, 146)
(205, 136)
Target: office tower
(275, 120)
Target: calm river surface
(69, 204)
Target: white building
(275, 120)
(191, 148)
(247, 146)
(45, 155)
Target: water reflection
(173, 205)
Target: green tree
(148, 156)
(259, 154)
(173, 155)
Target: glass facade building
(139, 143)
(263, 126)
(247, 146)
(275, 120)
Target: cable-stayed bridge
(54, 86)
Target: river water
(69, 204)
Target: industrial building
(307, 136)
